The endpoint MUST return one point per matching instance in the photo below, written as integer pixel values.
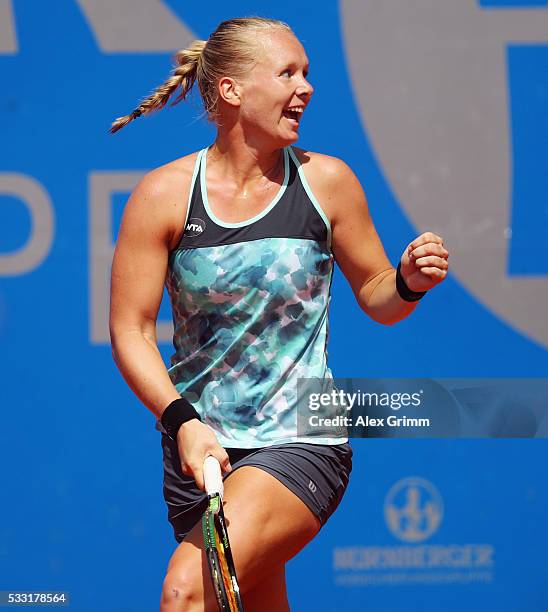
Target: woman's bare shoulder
(175, 174)
(325, 165)
(160, 199)
(330, 179)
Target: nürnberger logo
(194, 227)
(413, 509)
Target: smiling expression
(275, 92)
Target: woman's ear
(230, 91)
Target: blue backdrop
(458, 146)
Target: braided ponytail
(183, 75)
(230, 50)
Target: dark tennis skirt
(317, 473)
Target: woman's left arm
(361, 256)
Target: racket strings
(213, 559)
(225, 572)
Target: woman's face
(275, 92)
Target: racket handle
(212, 476)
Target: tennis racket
(217, 545)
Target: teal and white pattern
(250, 319)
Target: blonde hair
(230, 50)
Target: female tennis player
(244, 233)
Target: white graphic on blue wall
(413, 509)
(432, 85)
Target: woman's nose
(305, 88)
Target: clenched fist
(424, 262)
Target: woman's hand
(195, 442)
(424, 262)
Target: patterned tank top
(250, 304)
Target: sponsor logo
(194, 227)
(413, 509)
(151, 29)
(469, 200)
(312, 487)
(413, 512)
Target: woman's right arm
(152, 221)
(138, 273)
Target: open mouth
(293, 114)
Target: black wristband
(404, 292)
(178, 412)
